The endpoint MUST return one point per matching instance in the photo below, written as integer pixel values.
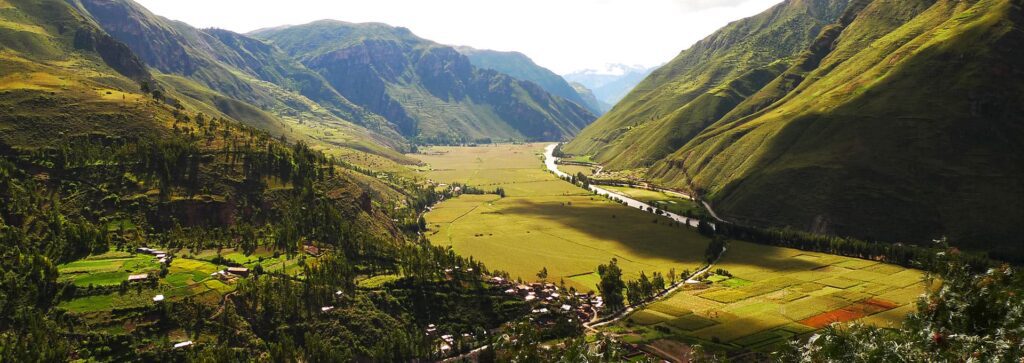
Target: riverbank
(551, 162)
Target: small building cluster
(547, 298)
(312, 250)
(447, 342)
(138, 277)
(161, 256)
(231, 273)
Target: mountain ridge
(404, 77)
(520, 66)
(246, 79)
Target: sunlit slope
(704, 83)
(65, 83)
(909, 129)
(60, 76)
(246, 79)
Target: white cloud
(564, 35)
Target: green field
(774, 294)
(672, 203)
(546, 222)
(188, 275)
(107, 269)
(576, 169)
(777, 293)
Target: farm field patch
(102, 279)
(665, 201)
(544, 222)
(778, 293)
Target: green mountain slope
(909, 134)
(97, 161)
(431, 92)
(293, 100)
(520, 66)
(704, 83)
(901, 121)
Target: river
(551, 162)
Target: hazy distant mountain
(520, 66)
(612, 83)
(431, 92)
(589, 98)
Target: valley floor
(764, 296)
(544, 222)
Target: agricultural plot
(187, 276)
(576, 169)
(665, 201)
(108, 269)
(778, 293)
(546, 222)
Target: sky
(562, 35)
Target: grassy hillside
(92, 168)
(703, 83)
(897, 121)
(520, 66)
(430, 92)
(254, 82)
(908, 130)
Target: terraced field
(775, 294)
(546, 222)
(187, 276)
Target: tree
(646, 289)
(611, 285)
(672, 275)
(583, 180)
(633, 292)
(714, 249)
(705, 228)
(543, 273)
(658, 282)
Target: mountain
(703, 83)
(895, 121)
(611, 84)
(100, 165)
(431, 92)
(590, 99)
(44, 92)
(521, 67)
(245, 79)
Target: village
(547, 301)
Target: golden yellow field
(777, 293)
(547, 222)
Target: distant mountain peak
(612, 69)
(612, 82)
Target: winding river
(552, 164)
